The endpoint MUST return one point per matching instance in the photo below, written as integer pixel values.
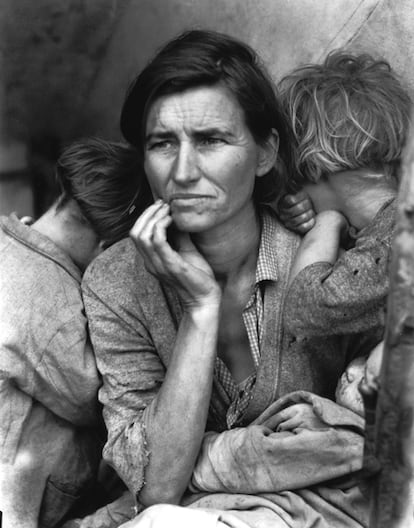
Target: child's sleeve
(348, 296)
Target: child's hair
(104, 179)
(348, 113)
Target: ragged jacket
(49, 412)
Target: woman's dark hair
(206, 58)
(103, 178)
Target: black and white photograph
(206, 264)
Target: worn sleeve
(47, 355)
(66, 380)
(132, 373)
(256, 459)
(347, 297)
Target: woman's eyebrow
(161, 134)
(213, 131)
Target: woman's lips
(186, 196)
(187, 200)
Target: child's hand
(294, 416)
(296, 212)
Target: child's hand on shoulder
(296, 212)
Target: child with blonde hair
(350, 119)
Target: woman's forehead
(201, 108)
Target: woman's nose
(185, 169)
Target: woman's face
(201, 158)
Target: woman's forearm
(176, 419)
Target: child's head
(347, 392)
(103, 178)
(349, 113)
(362, 373)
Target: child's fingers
(301, 218)
(306, 226)
(292, 199)
(301, 228)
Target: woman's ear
(268, 154)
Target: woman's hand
(297, 213)
(184, 268)
(295, 416)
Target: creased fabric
(49, 413)
(306, 478)
(256, 459)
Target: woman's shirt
(133, 321)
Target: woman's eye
(211, 141)
(160, 145)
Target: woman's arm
(176, 418)
(155, 416)
(288, 447)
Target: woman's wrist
(207, 309)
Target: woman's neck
(231, 248)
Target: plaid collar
(266, 268)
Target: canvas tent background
(66, 64)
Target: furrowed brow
(213, 131)
(158, 135)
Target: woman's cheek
(154, 174)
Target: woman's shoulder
(117, 265)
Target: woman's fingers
(143, 233)
(143, 218)
(147, 230)
(185, 268)
(277, 419)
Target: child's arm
(321, 243)
(347, 296)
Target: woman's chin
(191, 223)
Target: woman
(187, 330)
